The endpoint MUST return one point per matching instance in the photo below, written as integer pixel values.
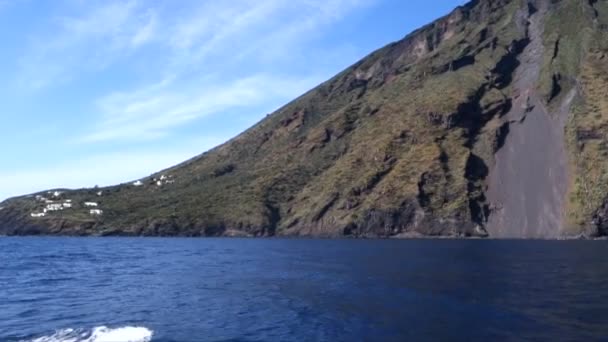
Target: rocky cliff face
(489, 121)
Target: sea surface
(156, 289)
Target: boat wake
(98, 334)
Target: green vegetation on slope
(580, 59)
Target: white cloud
(245, 30)
(104, 32)
(232, 34)
(217, 27)
(145, 33)
(89, 42)
(109, 20)
(151, 112)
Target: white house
(96, 212)
(99, 193)
(68, 201)
(54, 207)
(163, 177)
(67, 205)
(90, 204)
(38, 214)
(48, 201)
(138, 183)
(57, 193)
(159, 183)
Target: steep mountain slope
(489, 121)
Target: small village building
(90, 204)
(67, 205)
(96, 211)
(138, 183)
(37, 214)
(54, 207)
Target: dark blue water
(301, 290)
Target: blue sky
(102, 92)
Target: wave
(98, 334)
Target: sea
(56, 289)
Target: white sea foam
(98, 334)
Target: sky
(105, 92)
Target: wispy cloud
(151, 112)
(90, 41)
(181, 61)
(245, 30)
(203, 49)
(146, 32)
(192, 32)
